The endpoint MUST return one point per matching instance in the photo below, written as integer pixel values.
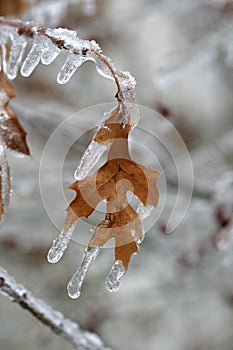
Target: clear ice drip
(59, 246)
(42, 50)
(49, 51)
(89, 159)
(18, 46)
(33, 57)
(115, 276)
(75, 284)
(72, 63)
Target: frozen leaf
(119, 175)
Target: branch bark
(55, 320)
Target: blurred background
(178, 292)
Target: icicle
(33, 57)
(75, 284)
(72, 63)
(89, 159)
(102, 69)
(16, 54)
(59, 245)
(115, 276)
(49, 52)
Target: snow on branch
(55, 320)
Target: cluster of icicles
(44, 50)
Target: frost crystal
(59, 245)
(71, 41)
(75, 284)
(89, 159)
(18, 46)
(72, 63)
(115, 276)
(143, 211)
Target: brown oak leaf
(111, 183)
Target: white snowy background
(178, 292)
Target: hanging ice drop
(49, 52)
(115, 276)
(89, 159)
(75, 284)
(70, 66)
(59, 246)
(16, 54)
(33, 57)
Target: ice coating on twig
(128, 107)
(115, 276)
(102, 68)
(72, 63)
(75, 284)
(71, 41)
(59, 245)
(89, 159)
(59, 324)
(18, 45)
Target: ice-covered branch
(48, 43)
(55, 320)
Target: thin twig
(55, 320)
